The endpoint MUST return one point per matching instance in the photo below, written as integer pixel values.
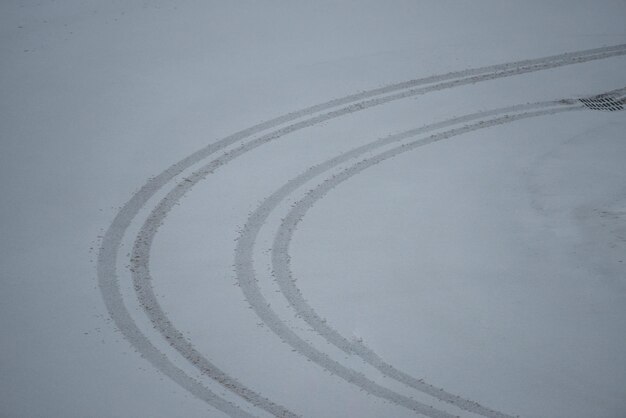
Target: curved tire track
(107, 257)
(140, 258)
(112, 295)
(285, 280)
(281, 260)
(245, 252)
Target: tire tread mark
(112, 240)
(281, 259)
(292, 293)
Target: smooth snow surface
(322, 209)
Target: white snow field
(315, 209)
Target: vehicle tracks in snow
(280, 248)
(112, 240)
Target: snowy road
(244, 258)
(450, 245)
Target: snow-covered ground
(271, 208)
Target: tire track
(281, 258)
(147, 299)
(245, 249)
(286, 283)
(142, 283)
(111, 293)
(109, 249)
(280, 251)
(141, 251)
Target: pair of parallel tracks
(351, 163)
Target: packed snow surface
(322, 209)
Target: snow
(489, 264)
